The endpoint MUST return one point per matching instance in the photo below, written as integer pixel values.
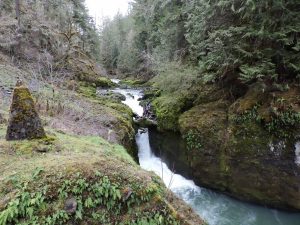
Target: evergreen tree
(247, 39)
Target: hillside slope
(78, 174)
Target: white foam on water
(116, 81)
(150, 162)
(132, 97)
(297, 153)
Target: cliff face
(243, 146)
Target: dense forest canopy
(241, 40)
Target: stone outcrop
(24, 121)
(245, 148)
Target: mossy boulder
(145, 122)
(254, 96)
(261, 165)
(96, 80)
(24, 121)
(208, 120)
(204, 130)
(169, 107)
(206, 93)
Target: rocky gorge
(246, 147)
(168, 155)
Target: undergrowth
(173, 77)
(193, 140)
(95, 200)
(280, 124)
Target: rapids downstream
(215, 208)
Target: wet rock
(135, 115)
(145, 122)
(130, 95)
(143, 130)
(24, 121)
(126, 194)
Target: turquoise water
(219, 209)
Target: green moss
(132, 82)
(103, 82)
(208, 121)
(2, 131)
(168, 108)
(87, 90)
(96, 81)
(32, 146)
(123, 109)
(24, 122)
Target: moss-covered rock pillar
(24, 121)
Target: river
(215, 208)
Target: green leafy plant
(280, 124)
(193, 140)
(96, 197)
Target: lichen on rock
(24, 121)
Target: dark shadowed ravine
(215, 208)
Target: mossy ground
(70, 162)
